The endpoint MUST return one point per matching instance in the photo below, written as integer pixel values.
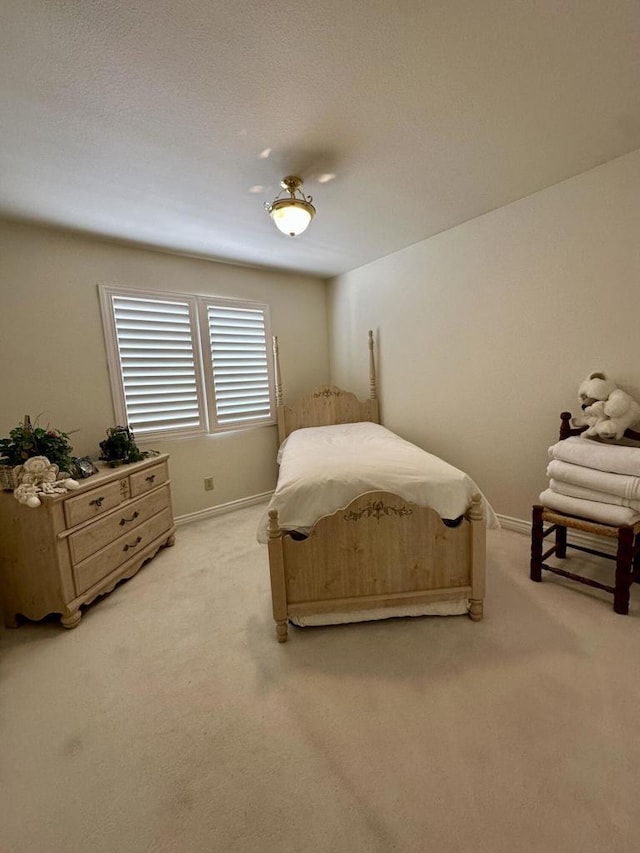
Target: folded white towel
(593, 510)
(586, 494)
(622, 485)
(616, 458)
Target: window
(187, 365)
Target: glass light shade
(291, 216)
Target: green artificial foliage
(27, 440)
(120, 447)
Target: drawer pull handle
(96, 502)
(124, 521)
(137, 542)
(150, 478)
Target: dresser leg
(71, 619)
(10, 620)
(475, 609)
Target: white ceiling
(151, 121)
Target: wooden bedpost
(276, 570)
(478, 557)
(276, 365)
(280, 411)
(373, 392)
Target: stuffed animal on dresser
(607, 411)
(37, 476)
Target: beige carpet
(171, 720)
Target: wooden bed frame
(380, 551)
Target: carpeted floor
(172, 721)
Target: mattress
(322, 469)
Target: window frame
(203, 365)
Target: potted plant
(27, 440)
(120, 447)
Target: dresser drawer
(103, 531)
(152, 476)
(94, 503)
(95, 568)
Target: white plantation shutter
(156, 345)
(156, 354)
(239, 364)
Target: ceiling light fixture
(291, 215)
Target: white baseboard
(518, 525)
(221, 509)
(586, 540)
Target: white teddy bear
(607, 410)
(39, 476)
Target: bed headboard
(327, 405)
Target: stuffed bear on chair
(607, 411)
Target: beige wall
(52, 354)
(485, 331)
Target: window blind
(240, 366)
(157, 363)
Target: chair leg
(624, 570)
(537, 540)
(561, 542)
(636, 559)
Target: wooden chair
(627, 556)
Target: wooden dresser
(76, 546)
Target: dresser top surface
(106, 473)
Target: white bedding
(586, 494)
(605, 513)
(615, 458)
(337, 617)
(623, 485)
(322, 469)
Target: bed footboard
(380, 551)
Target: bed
(363, 525)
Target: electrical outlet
(208, 484)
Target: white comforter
(324, 468)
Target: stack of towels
(597, 481)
